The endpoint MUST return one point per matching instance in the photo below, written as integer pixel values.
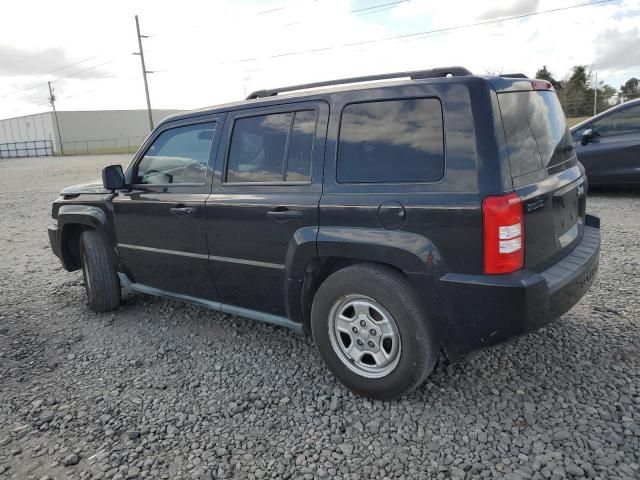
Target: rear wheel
(371, 331)
(100, 277)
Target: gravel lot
(163, 390)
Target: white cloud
(212, 52)
(618, 49)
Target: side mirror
(588, 135)
(113, 177)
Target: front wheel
(371, 331)
(100, 278)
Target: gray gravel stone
(162, 390)
(71, 459)
(573, 469)
(562, 435)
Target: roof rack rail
(414, 75)
(513, 75)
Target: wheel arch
(311, 263)
(72, 221)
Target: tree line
(577, 90)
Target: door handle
(180, 211)
(282, 214)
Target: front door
(160, 222)
(613, 154)
(265, 198)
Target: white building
(100, 131)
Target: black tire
(100, 278)
(418, 349)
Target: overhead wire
(357, 12)
(423, 33)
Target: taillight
(503, 233)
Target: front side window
(272, 148)
(391, 141)
(620, 123)
(178, 155)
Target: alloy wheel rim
(364, 336)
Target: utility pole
(144, 71)
(52, 100)
(595, 95)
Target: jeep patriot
(391, 217)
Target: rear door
(265, 199)
(613, 154)
(160, 223)
(546, 174)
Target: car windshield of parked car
(179, 155)
(620, 123)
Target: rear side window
(391, 141)
(535, 129)
(178, 155)
(272, 148)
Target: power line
(388, 5)
(86, 69)
(64, 67)
(40, 84)
(397, 2)
(264, 12)
(70, 65)
(427, 32)
(35, 55)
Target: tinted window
(619, 123)
(260, 144)
(178, 155)
(391, 141)
(536, 131)
(301, 147)
(257, 148)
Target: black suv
(435, 211)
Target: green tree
(607, 97)
(545, 74)
(630, 89)
(576, 98)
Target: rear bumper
(483, 310)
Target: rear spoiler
(513, 75)
(518, 84)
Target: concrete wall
(99, 131)
(104, 124)
(106, 131)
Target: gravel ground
(163, 390)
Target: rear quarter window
(391, 141)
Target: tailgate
(546, 174)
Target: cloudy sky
(207, 52)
